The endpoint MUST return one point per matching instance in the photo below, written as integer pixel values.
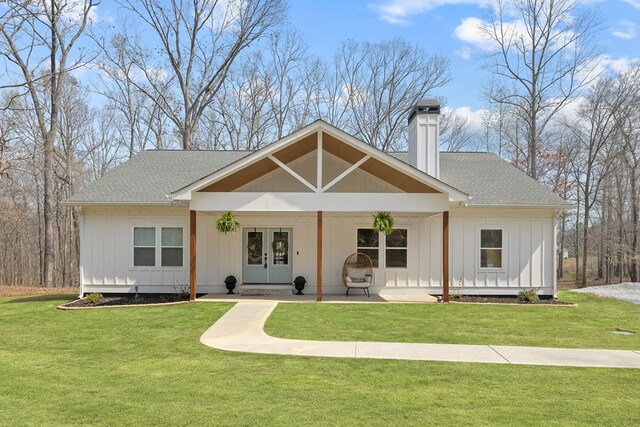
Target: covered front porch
(319, 187)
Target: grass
(584, 326)
(146, 366)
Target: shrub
(94, 298)
(183, 291)
(456, 295)
(528, 295)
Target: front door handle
(265, 260)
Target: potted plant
(230, 283)
(227, 223)
(299, 283)
(383, 222)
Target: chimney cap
(424, 106)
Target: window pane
(144, 236)
(367, 238)
(172, 236)
(144, 257)
(254, 248)
(397, 239)
(396, 258)
(490, 238)
(373, 254)
(172, 257)
(491, 258)
(280, 248)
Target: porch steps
(264, 290)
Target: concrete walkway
(242, 329)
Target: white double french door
(266, 255)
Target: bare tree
(37, 44)
(123, 96)
(198, 42)
(539, 61)
(456, 133)
(375, 85)
(594, 134)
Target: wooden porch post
(445, 256)
(319, 259)
(192, 255)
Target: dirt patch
(507, 300)
(129, 300)
(16, 291)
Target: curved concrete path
(242, 329)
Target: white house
(467, 221)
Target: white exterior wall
(528, 251)
(107, 250)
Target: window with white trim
(388, 250)
(369, 244)
(148, 242)
(395, 255)
(491, 248)
(171, 247)
(144, 246)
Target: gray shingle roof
(152, 175)
(490, 180)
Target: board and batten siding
(529, 245)
(528, 250)
(106, 250)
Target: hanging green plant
(227, 223)
(383, 222)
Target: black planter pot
(230, 287)
(299, 288)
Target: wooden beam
(319, 163)
(292, 173)
(192, 255)
(319, 259)
(351, 168)
(445, 256)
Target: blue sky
(439, 26)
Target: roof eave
(521, 206)
(169, 203)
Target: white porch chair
(357, 272)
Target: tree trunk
(563, 224)
(633, 262)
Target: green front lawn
(146, 366)
(586, 326)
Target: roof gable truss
(322, 138)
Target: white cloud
(605, 63)
(469, 31)
(398, 12)
(474, 117)
(625, 30)
(634, 3)
(464, 53)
